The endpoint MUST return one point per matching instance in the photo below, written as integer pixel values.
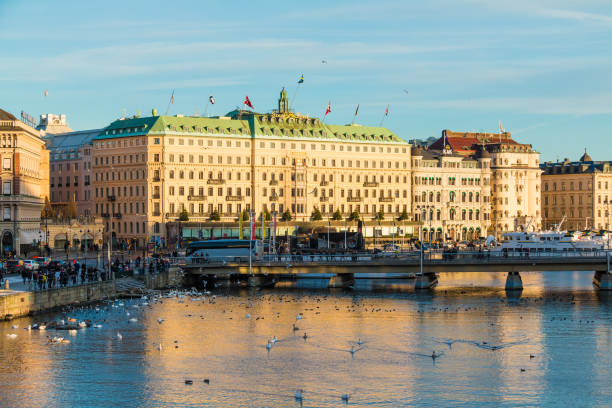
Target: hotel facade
(147, 171)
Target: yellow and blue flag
(301, 80)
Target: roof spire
(283, 102)
(585, 157)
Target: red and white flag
(387, 111)
(172, 98)
(357, 110)
(247, 102)
(328, 110)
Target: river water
(550, 347)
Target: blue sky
(541, 67)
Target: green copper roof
(250, 124)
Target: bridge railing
(430, 257)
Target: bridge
(342, 269)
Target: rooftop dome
(4, 115)
(484, 154)
(416, 150)
(585, 157)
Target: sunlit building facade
(147, 171)
(577, 192)
(25, 183)
(515, 177)
(451, 194)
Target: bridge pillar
(260, 281)
(425, 281)
(603, 280)
(514, 281)
(342, 280)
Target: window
(6, 164)
(6, 188)
(6, 213)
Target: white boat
(554, 241)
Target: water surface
(550, 347)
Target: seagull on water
(119, 336)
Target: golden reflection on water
(214, 339)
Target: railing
(353, 199)
(412, 257)
(155, 195)
(274, 198)
(370, 184)
(233, 198)
(273, 182)
(385, 199)
(196, 198)
(324, 199)
(215, 182)
(155, 179)
(111, 198)
(324, 183)
(156, 213)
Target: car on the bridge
(42, 260)
(30, 265)
(13, 265)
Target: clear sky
(541, 67)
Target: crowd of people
(59, 276)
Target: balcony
(353, 199)
(156, 213)
(117, 215)
(215, 182)
(274, 182)
(233, 198)
(155, 195)
(105, 215)
(324, 199)
(370, 184)
(156, 179)
(196, 198)
(274, 197)
(385, 199)
(324, 183)
(111, 198)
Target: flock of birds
(132, 311)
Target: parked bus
(219, 250)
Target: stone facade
(579, 191)
(515, 177)
(451, 194)
(146, 171)
(25, 182)
(70, 173)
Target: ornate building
(25, 183)
(146, 171)
(580, 191)
(70, 172)
(515, 177)
(451, 194)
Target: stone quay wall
(16, 304)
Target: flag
(328, 110)
(172, 97)
(211, 99)
(247, 102)
(387, 111)
(501, 128)
(301, 80)
(357, 110)
(46, 93)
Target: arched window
(171, 174)
(181, 174)
(191, 175)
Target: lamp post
(345, 226)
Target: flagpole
(206, 107)
(294, 94)
(355, 115)
(171, 100)
(384, 116)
